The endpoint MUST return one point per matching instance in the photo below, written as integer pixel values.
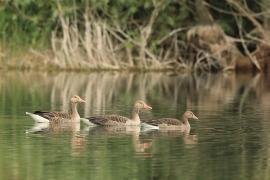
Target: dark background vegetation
(30, 23)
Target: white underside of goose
(87, 122)
(146, 126)
(37, 118)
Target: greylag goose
(116, 120)
(46, 117)
(171, 123)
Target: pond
(231, 140)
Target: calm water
(231, 140)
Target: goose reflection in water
(123, 131)
(189, 138)
(54, 128)
(77, 139)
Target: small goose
(171, 123)
(116, 120)
(46, 117)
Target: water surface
(231, 140)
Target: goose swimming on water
(46, 117)
(171, 123)
(116, 120)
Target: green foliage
(29, 21)
(32, 21)
(25, 21)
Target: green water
(231, 140)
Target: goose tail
(37, 118)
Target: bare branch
(247, 13)
(171, 34)
(252, 59)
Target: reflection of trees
(166, 92)
(104, 89)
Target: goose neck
(185, 120)
(135, 114)
(74, 113)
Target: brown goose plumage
(108, 120)
(167, 121)
(53, 116)
(116, 120)
(171, 123)
(56, 117)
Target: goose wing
(108, 120)
(51, 116)
(165, 121)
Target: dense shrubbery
(28, 21)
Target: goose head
(77, 99)
(141, 105)
(190, 115)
